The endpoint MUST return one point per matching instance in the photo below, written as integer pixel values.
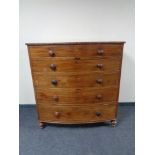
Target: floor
(100, 139)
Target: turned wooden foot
(113, 123)
(42, 125)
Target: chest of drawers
(76, 83)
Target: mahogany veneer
(76, 83)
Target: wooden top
(75, 43)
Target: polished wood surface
(77, 50)
(76, 114)
(76, 82)
(74, 96)
(107, 64)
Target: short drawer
(85, 50)
(107, 65)
(80, 96)
(97, 79)
(76, 114)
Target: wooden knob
(57, 114)
(54, 82)
(56, 98)
(98, 113)
(99, 96)
(53, 66)
(99, 81)
(77, 58)
(99, 66)
(51, 53)
(100, 51)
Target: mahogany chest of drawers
(76, 83)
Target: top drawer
(84, 50)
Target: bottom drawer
(76, 114)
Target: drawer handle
(57, 114)
(51, 53)
(99, 96)
(100, 52)
(56, 98)
(98, 113)
(99, 66)
(99, 81)
(54, 82)
(77, 58)
(53, 66)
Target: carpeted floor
(98, 139)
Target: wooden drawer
(97, 79)
(107, 65)
(76, 114)
(84, 50)
(73, 96)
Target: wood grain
(109, 65)
(76, 114)
(76, 81)
(74, 96)
(86, 50)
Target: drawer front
(76, 114)
(70, 65)
(74, 81)
(70, 96)
(98, 50)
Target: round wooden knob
(54, 82)
(53, 66)
(99, 66)
(56, 98)
(77, 58)
(57, 114)
(98, 113)
(99, 81)
(51, 53)
(99, 96)
(100, 52)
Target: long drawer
(76, 114)
(97, 79)
(74, 96)
(107, 65)
(86, 50)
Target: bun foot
(42, 125)
(113, 123)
